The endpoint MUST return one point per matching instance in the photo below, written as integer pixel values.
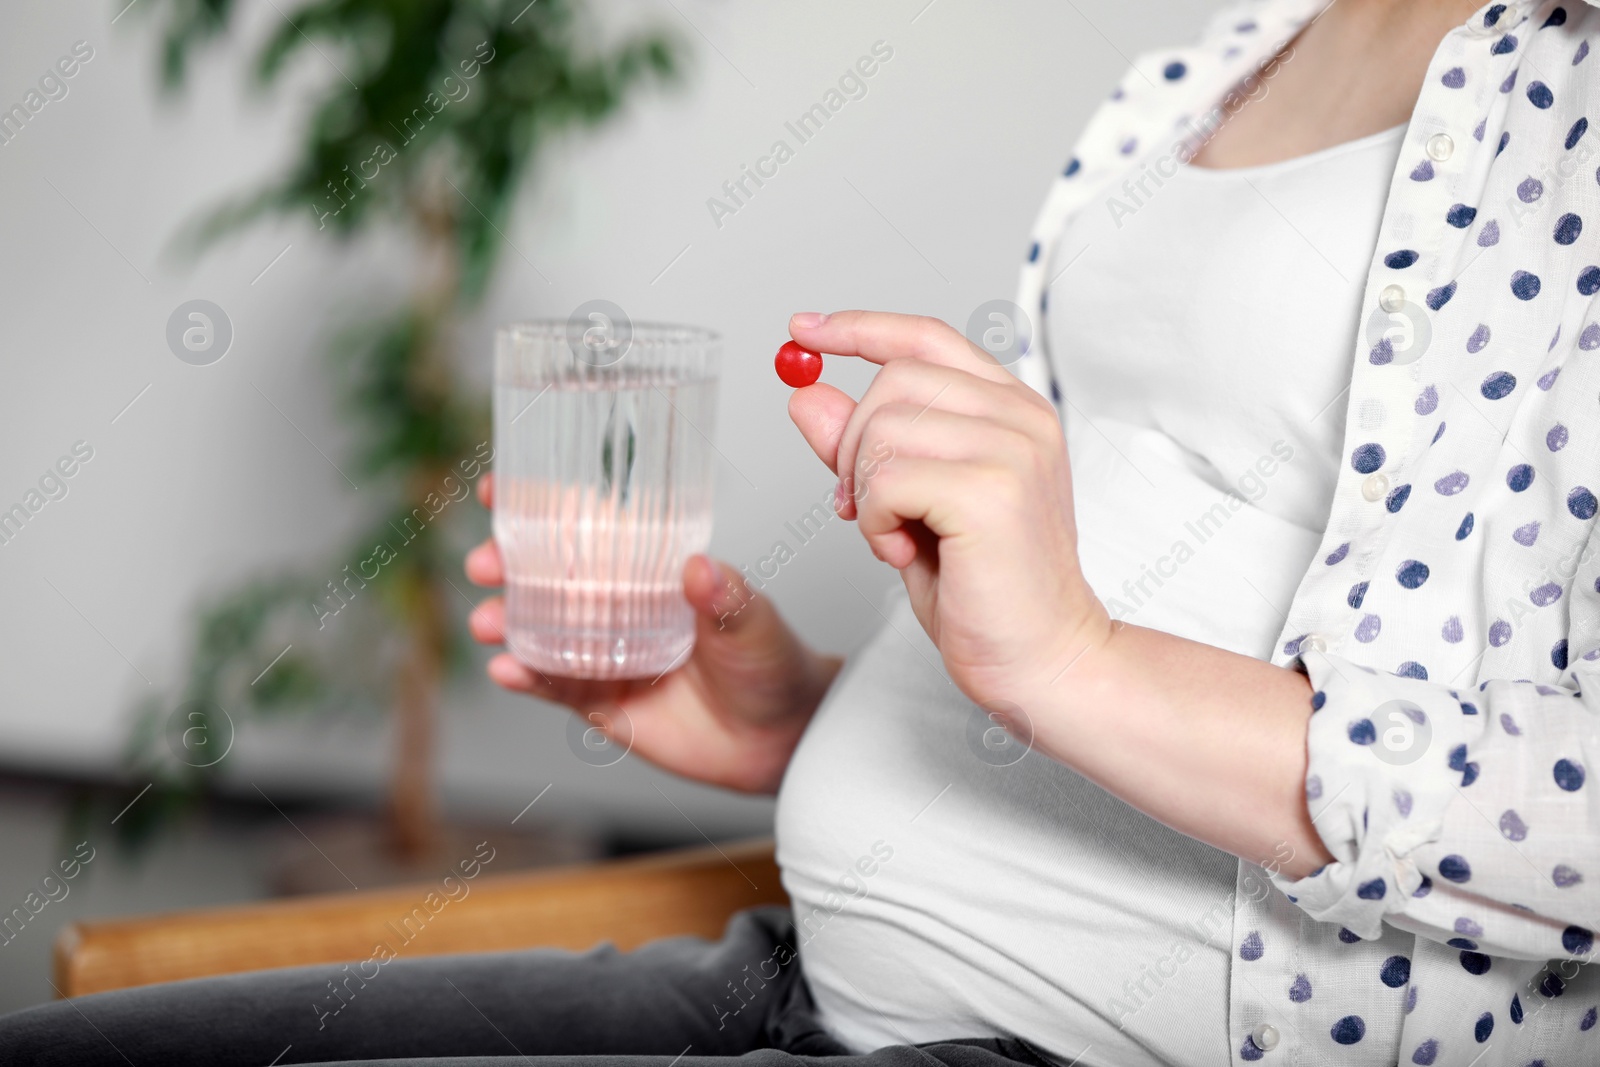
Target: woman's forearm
(1206, 741)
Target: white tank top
(946, 888)
(1203, 341)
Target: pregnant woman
(1242, 699)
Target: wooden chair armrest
(627, 902)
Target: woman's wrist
(825, 669)
(815, 675)
(1083, 653)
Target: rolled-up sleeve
(1469, 817)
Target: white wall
(915, 198)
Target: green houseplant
(428, 120)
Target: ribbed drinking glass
(603, 487)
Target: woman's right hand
(731, 715)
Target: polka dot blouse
(1450, 623)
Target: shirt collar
(1488, 21)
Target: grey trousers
(680, 1002)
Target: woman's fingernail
(807, 320)
(838, 496)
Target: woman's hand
(957, 475)
(731, 716)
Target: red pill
(798, 367)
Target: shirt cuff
(1379, 780)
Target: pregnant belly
(948, 887)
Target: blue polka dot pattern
(1349, 1030)
(1512, 826)
(1368, 457)
(1496, 642)
(1498, 385)
(1412, 573)
(1396, 972)
(1569, 775)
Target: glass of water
(603, 486)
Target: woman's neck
(1353, 71)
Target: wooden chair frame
(626, 902)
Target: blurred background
(172, 703)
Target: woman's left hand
(957, 475)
